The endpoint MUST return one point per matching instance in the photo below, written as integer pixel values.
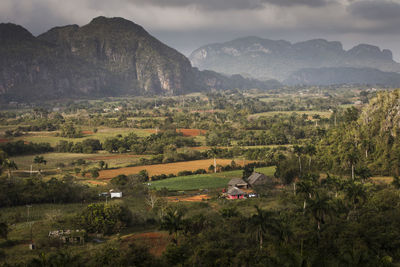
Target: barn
(238, 182)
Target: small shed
(257, 179)
(235, 193)
(116, 194)
(237, 182)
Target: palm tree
(355, 193)
(298, 150)
(261, 223)
(9, 165)
(310, 150)
(319, 207)
(334, 183)
(173, 222)
(306, 189)
(213, 153)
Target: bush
(105, 219)
(185, 173)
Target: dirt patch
(87, 132)
(155, 241)
(3, 140)
(191, 132)
(152, 131)
(96, 182)
(196, 198)
(158, 169)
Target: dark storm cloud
(376, 10)
(232, 4)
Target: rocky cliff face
(104, 58)
(107, 57)
(266, 59)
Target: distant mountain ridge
(107, 57)
(269, 59)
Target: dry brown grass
(196, 198)
(169, 168)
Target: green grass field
(54, 159)
(204, 181)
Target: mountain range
(299, 63)
(107, 57)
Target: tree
(151, 199)
(9, 165)
(39, 160)
(261, 223)
(173, 222)
(355, 193)
(4, 230)
(298, 151)
(213, 153)
(306, 189)
(319, 207)
(104, 218)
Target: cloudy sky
(188, 24)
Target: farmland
(204, 181)
(170, 168)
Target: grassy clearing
(54, 159)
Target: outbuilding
(235, 193)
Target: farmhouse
(235, 193)
(257, 179)
(237, 182)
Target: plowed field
(164, 168)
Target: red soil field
(191, 132)
(4, 140)
(87, 132)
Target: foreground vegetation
(322, 205)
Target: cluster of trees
(86, 146)
(70, 131)
(104, 218)
(153, 144)
(22, 148)
(364, 141)
(32, 190)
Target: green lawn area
(204, 181)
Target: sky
(188, 24)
